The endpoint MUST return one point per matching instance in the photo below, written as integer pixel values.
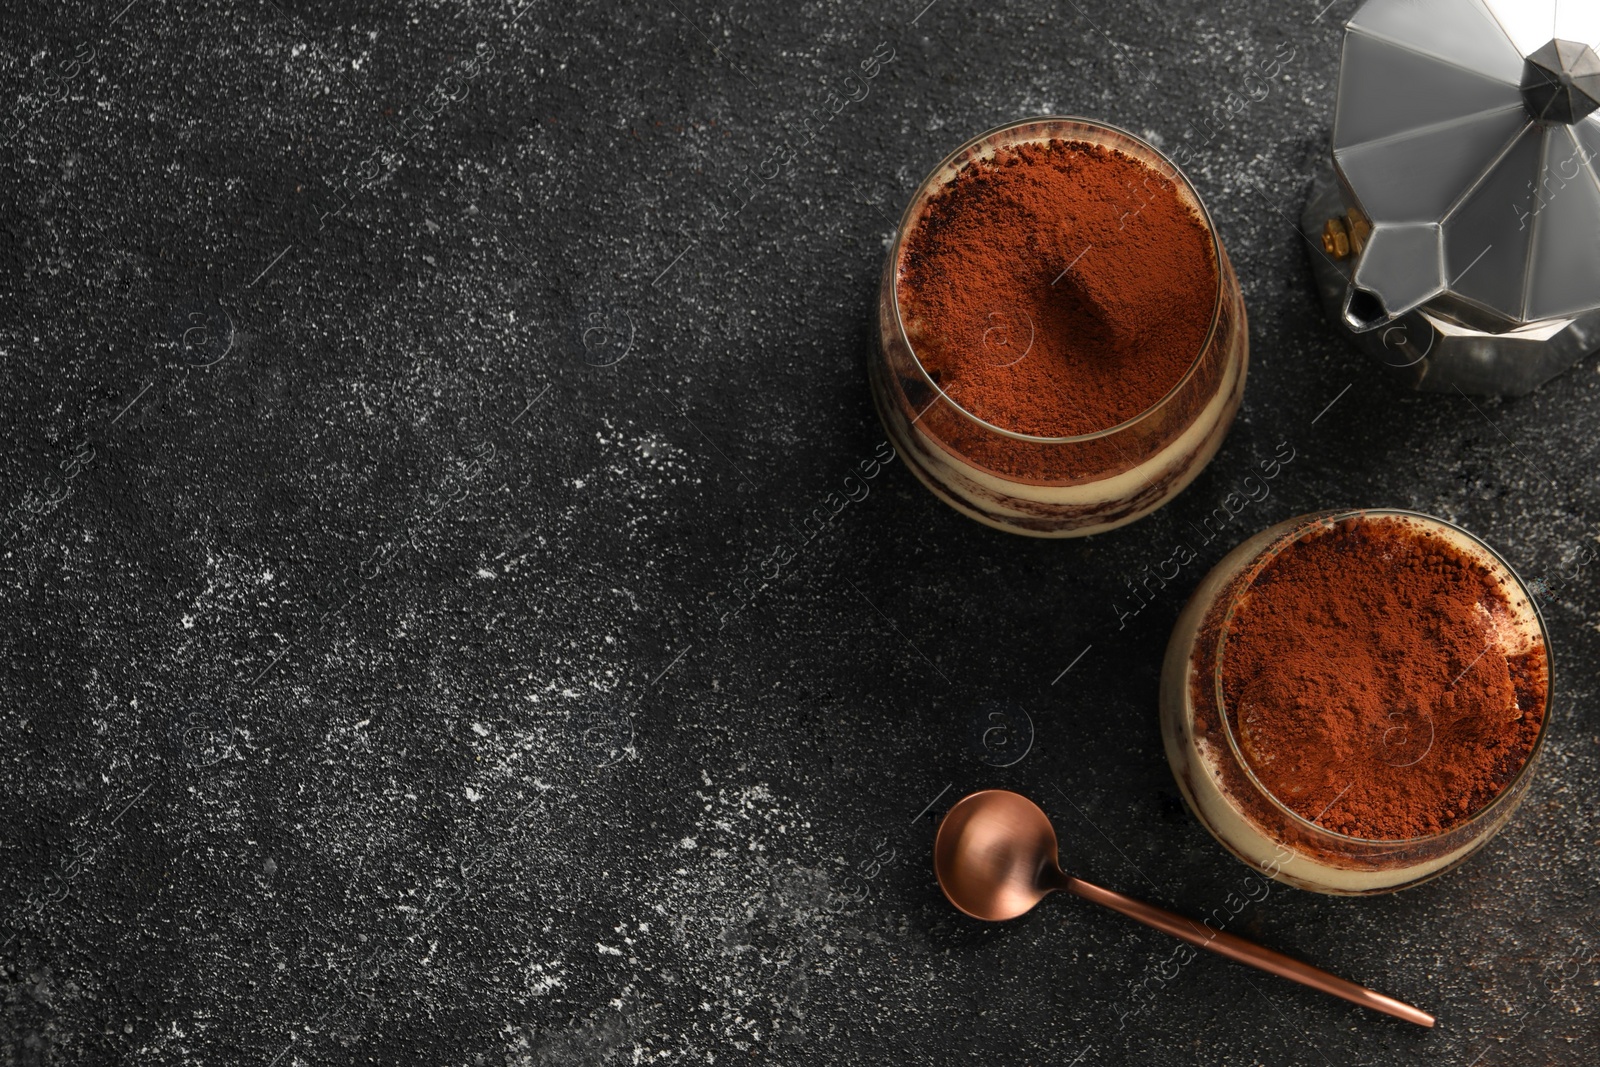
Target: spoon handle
(1237, 948)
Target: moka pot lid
(1467, 135)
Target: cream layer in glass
(1107, 503)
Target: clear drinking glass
(1217, 780)
(1093, 482)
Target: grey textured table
(398, 398)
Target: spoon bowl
(995, 855)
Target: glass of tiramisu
(1353, 701)
(1062, 340)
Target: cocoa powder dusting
(1367, 679)
(1077, 261)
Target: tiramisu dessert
(1352, 702)
(1062, 341)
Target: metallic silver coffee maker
(1456, 230)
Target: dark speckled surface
(396, 397)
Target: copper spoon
(996, 857)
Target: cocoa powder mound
(1377, 681)
(1079, 266)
